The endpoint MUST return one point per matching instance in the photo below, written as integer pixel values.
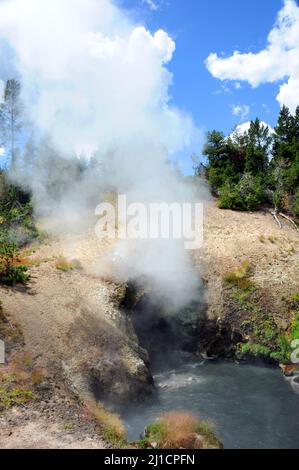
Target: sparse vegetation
(18, 380)
(240, 277)
(180, 430)
(263, 338)
(69, 426)
(65, 265)
(111, 427)
(266, 339)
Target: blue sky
(200, 27)
(235, 60)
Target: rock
(288, 369)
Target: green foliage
(247, 195)
(295, 327)
(267, 341)
(180, 430)
(16, 396)
(264, 338)
(226, 163)
(11, 272)
(16, 214)
(242, 173)
(255, 350)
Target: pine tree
(10, 119)
(258, 147)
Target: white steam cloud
(96, 84)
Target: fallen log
(289, 219)
(274, 214)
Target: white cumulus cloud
(244, 127)
(240, 110)
(278, 61)
(153, 5)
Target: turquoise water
(252, 407)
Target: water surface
(252, 407)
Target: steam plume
(95, 86)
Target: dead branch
(289, 219)
(274, 214)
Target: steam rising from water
(95, 87)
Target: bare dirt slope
(74, 329)
(47, 426)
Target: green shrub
(247, 195)
(180, 430)
(16, 214)
(295, 328)
(11, 272)
(255, 350)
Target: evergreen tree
(225, 160)
(258, 147)
(10, 119)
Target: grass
(65, 265)
(13, 397)
(180, 430)
(264, 339)
(18, 380)
(19, 376)
(69, 426)
(111, 427)
(240, 277)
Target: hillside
(254, 240)
(75, 329)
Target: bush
(16, 214)
(11, 271)
(177, 430)
(247, 195)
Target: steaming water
(250, 406)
